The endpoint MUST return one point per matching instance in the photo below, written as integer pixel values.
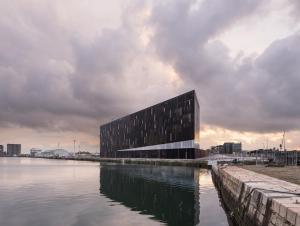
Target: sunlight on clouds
(211, 135)
(173, 76)
(145, 36)
(48, 140)
(146, 31)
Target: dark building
(228, 148)
(13, 149)
(166, 130)
(2, 150)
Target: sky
(66, 67)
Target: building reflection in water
(168, 194)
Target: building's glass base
(188, 153)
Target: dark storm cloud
(256, 94)
(47, 80)
(52, 77)
(295, 8)
(99, 79)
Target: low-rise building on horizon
(35, 151)
(230, 148)
(217, 149)
(227, 148)
(84, 154)
(61, 153)
(13, 150)
(2, 153)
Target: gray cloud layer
(256, 94)
(53, 76)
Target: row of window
(170, 121)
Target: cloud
(295, 8)
(55, 77)
(37, 65)
(257, 94)
(69, 68)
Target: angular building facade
(166, 130)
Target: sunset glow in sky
(66, 67)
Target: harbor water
(41, 192)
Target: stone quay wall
(254, 199)
(163, 162)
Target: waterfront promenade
(201, 163)
(288, 173)
(205, 162)
(257, 199)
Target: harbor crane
(282, 145)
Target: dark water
(40, 192)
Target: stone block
(260, 218)
(282, 210)
(285, 207)
(275, 206)
(273, 218)
(291, 215)
(279, 221)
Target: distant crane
(282, 145)
(74, 145)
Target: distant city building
(35, 151)
(54, 153)
(13, 149)
(166, 130)
(237, 147)
(97, 154)
(2, 153)
(217, 149)
(83, 154)
(227, 148)
(230, 148)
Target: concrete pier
(148, 161)
(166, 162)
(257, 200)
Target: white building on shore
(54, 153)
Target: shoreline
(159, 162)
(256, 199)
(205, 163)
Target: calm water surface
(40, 192)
